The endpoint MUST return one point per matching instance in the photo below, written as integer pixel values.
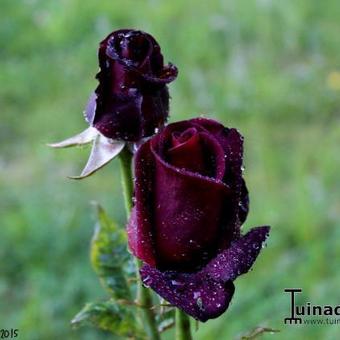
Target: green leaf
(109, 316)
(109, 256)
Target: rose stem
(143, 294)
(182, 326)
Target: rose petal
(131, 48)
(151, 68)
(162, 142)
(140, 224)
(239, 258)
(135, 46)
(243, 203)
(196, 294)
(197, 152)
(170, 219)
(187, 216)
(232, 142)
(188, 153)
(206, 294)
(121, 116)
(168, 75)
(155, 108)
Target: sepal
(83, 138)
(103, 151)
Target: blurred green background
(270, 68)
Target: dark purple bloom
(132, 98)
(190, 203)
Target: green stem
(125, 158)
(183, 331)
(143, 294)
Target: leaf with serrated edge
(85, 137)
(109, 316)
(109, 255)
(103, 151)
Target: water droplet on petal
(197, 295)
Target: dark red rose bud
(132, 98)
(190, 203)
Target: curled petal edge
(206, 294)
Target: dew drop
(176, 283)
(199, 303)
(197, 295)
(147, 281)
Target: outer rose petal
(187, 216)
(239, 258)
(232, 143)
(196, 294)
(173, 224)
(121, 118)
(244, 203)
(130, 116)
(155, 109)
(140, 224)
(206, 294)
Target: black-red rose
(190, 203)
(132, 98)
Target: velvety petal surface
(239, 257)
(197, 152)
(121, 118)
(140, 226)
(206, 294)
(196, 294)
(186, 151)
(200, 213)
(187, 214)
(243, 205)
(236, 211)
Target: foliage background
(270, 68)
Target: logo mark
(293, 319)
